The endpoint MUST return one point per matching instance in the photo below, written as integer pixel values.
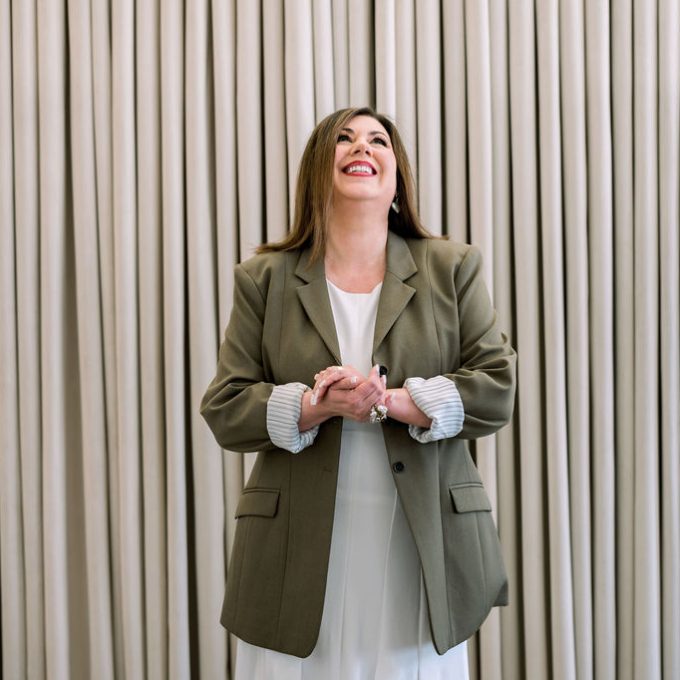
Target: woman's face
(365, 165)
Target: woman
(360, 355)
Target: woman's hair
(314, 186)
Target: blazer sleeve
(486, 376)
(235, 403)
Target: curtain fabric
(145, 148)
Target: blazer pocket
(469, 497)
(258, 503)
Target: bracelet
(378, 413)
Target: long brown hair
(314, 186)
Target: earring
(395, 204)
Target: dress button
(398, 466)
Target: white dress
(375, 620)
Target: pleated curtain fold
(146, 148)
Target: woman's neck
(355, 254)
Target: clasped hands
(349, 393)
(344, 391)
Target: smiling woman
(315, 183)
(360, 355)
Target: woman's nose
(361, 146)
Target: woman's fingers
(378, 378)
(349, 382)
(350, 403)
(338, 377)
(324, 379)
(351, 394)
(368, 393)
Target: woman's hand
(337, 377)
(356, 401)
(341, 391)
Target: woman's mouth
(359, 168)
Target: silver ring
(378, 413)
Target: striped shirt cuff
(438, 398)
(283, 414)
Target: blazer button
(398, 466)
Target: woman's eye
(343, 137)
(380, 140)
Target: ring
(377, 414)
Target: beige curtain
(147, 147)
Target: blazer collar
(394, 295)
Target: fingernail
(312, 401)
(354, 380)
(322, 383)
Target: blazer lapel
(395, 294)
(314, 298)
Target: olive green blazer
(434, 318)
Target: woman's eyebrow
(372, 132)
